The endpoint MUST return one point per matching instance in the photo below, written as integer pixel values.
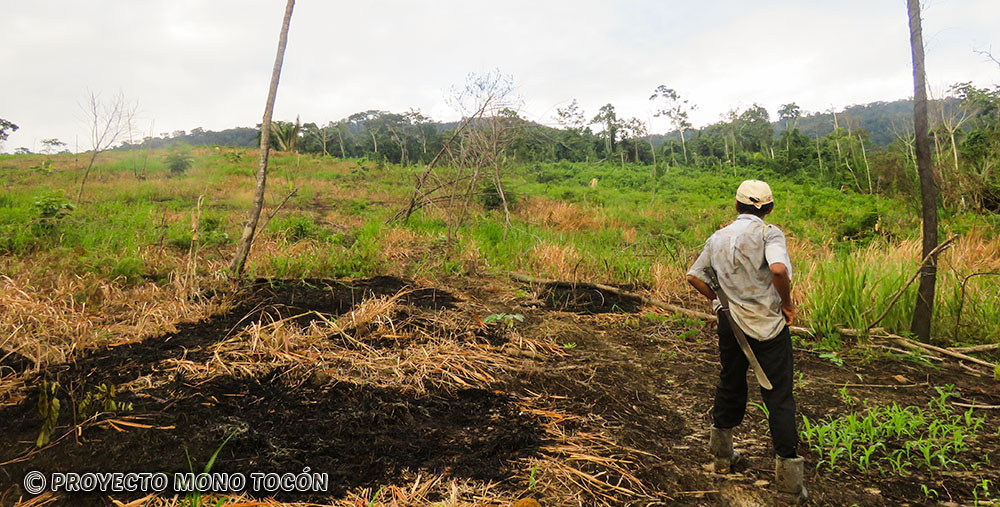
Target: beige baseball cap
(755, 193)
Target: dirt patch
(586, 300)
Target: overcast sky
(207, 63)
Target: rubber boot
(789, 475)
(720, 442)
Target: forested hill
(883, 121)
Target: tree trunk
(684, 147)
(921, 324)
(652, 149)
(246, 239)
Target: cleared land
(414, 371)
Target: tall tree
(921, 324)
(571, 117)
(608, 120)
(790, 114)
(676, 109)
(246, 239)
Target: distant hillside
(239, 136)
(882, 120)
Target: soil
(646, 383)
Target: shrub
(179, 158)
(490, 198)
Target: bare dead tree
(924, 310)
(476, 149)
(988, 53)
(109, 121)
(250, 227)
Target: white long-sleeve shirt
(737, 258)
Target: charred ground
(586, 399)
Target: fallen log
(976, 348)
(618, 292)
(795, 330)
(914, 345)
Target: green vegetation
(571, 220)
(894, 439)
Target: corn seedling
(899, 438)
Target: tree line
(965, 140)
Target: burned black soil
(641, 384)
(361, 435)
(587, 300)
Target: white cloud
(193, 63)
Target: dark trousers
(775, 357)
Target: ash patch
(362, 436)
(586, 300)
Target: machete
(742, 340)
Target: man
(748, 261)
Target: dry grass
(556, 261)
(560, 215)
(48, 316)
(668, 281)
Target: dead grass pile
(380, 342)
(49, 317)
(421, 491)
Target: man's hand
(789, 311)
(779, 275)
(701, 287)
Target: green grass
(849, 260)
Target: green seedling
(532, 481)
(48, 408)
(504, 319)
(193, 499)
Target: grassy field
(407, 348)
(131, 238)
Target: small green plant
(179, 158)
(846, 397)
(48, 408)
(52, 207)
(193, 498)
(569, 346)
(504, 319)
(984, 486)
(375, 498)
(833, 358)
(928, 492)
(234, 157)
(764, 410)
(43, 167)
(532, 481)
(103, 400)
